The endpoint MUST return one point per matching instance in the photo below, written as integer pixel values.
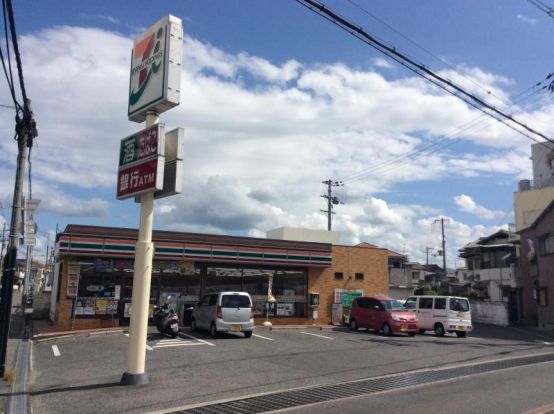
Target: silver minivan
(224, 312)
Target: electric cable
(421, 69)
(427, 51)
(542, 7)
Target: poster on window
(285, 309)
(111, 308)
(73, 280)
(79, 306)
(90, 306)
(101, 305)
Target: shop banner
(74, 270)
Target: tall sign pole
(154, 88)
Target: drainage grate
(304, 396)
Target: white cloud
(260, 137)
(467, 205)
(382, 63)
(526, 19)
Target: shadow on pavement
(64, 389)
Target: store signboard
(141, 162)
(155, 81)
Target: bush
(9, 375)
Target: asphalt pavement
(81, 373)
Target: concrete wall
(529, 204)
(492, 313)
(307, 235)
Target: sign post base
(134, 379)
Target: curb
(62, 334)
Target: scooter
(166, 320)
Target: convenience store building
(93, 276)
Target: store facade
(94, 275)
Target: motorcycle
(166, 320)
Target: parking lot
(81, 373)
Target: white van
(441, 314)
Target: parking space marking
(195, 338)
(263, 337)
(168, 343)
(149, 347)
(56, 350)
(320, 336)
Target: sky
(275, 99)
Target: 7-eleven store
(93, 277)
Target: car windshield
(459, 305)
(392, 305)
(235, 301)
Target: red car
(382, 314)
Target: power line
(542, 7)
(443, 142)
(422, 70)
(427, 51)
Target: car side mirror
(376, 307)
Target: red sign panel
(137, 179)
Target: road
(82, 373)
(516, 390)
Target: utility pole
(427, 254)
(26, 132)
(3, 244)
(442, 220)
(331, 200)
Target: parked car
(224, 312)
(382, 313)
(441, 314)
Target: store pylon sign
(141, 162)
(155, 83)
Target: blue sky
(275, 99)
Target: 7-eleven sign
(155, 82)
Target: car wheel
(461, 334)
(387, 331)
(422, 331)
(213, 331)
(193, 325)
(353, 325)
(411, 333)
(439, 329)
(247, 334)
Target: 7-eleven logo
(148, 50)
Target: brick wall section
(372, 262)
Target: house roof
(364, 244)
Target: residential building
(492, 268)
(536, 284)
(533, 196)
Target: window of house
(546, 244)
(339, 275)
(359, 276)
(541, 298)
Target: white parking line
(321, 336)
(56, 350)
(263, 337)
(126, 334)
(149, 347)
(172, 345)
(195, 338)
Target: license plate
(174, 326)
(461, 328)
(403, 327)
(235, 328)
